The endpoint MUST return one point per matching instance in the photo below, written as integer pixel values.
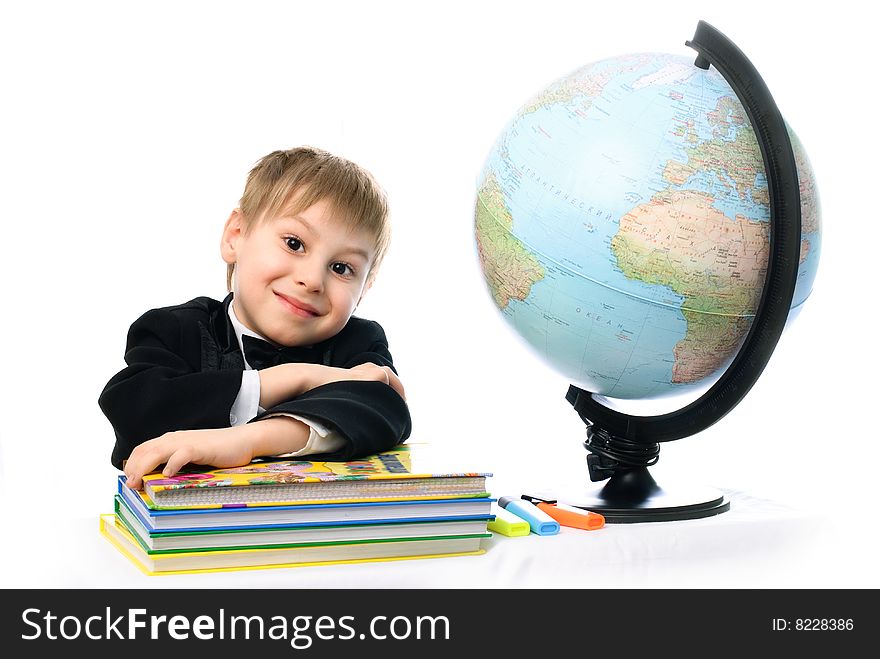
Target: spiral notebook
(407, 472)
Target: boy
(281, 366)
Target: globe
(622, 222)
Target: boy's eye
(293, 243)
(342, 269)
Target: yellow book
(155, 563)
(407, 472)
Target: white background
(126, 133)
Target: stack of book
(394, 505)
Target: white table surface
(758, 543)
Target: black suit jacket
(184, 373)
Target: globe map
(622, 225)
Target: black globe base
(632, 495)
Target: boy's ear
(232, 232)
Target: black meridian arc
(715, 49)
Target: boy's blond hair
(293, 180)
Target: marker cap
(506, 523)
(578, 518)
(539, 522)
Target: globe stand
(632, 495)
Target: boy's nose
(310, 278)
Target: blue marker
(539, 522)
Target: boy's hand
(370, 371)
(220, 447)
(223, 447)
(286, 381)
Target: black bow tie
(261, 354)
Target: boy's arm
(359, 352)
(160, 391)
(367, 407)
(287, 381)
(371, 416)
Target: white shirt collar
(241, 330)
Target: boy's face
(298, 278)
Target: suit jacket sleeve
(371, 416)
(162, 387)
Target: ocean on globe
(622, 223)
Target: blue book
(302, 515)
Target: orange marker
(577, 518)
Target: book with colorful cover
(209, 539)
(325, 514)
(407, 472)
(258, 557)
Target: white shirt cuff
(247, 403)
(321, 438)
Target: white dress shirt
(247, 404)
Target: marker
(566, 515)
(506, 523)
(539, 522)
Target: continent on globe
(580, 88)
(810, 214)
(510, 269)
(733, 162)
(680, 240)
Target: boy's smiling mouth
(296, 306)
